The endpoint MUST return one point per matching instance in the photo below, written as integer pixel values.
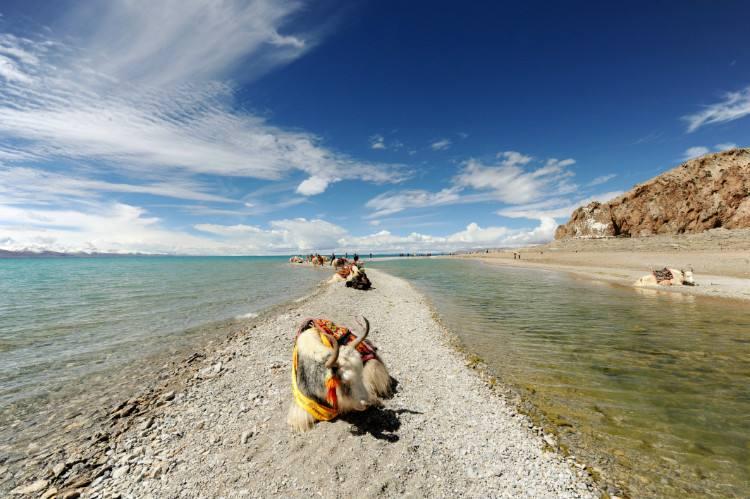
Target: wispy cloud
(171, 42)
(648, 138)
(694, 152)
(21, 185)
(377, 142)
(603, 179)
(557, 208)
(735, 105)
(509, 180)
(441, 145)
(394, 202)
(159, 103)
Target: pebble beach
(213, 425)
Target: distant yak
(667, 277)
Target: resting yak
(333, 372)
(354, 276)
(339, 262)
(667, 277)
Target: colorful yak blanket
(345, 270)
(344, 336)
(663, 274)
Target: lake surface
(76, 332)
(653, 388)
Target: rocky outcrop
(703, 193)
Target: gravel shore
(217, 429)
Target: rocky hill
(703, 193)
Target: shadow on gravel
(378, 422)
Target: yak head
(343, 363)
(346, 363)
(687, 276)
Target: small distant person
(356, 258)
(346, 255)
(370, 256)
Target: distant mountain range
(58, 254)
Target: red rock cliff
(703, 193)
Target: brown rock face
(703, 193)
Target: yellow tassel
(313, 408)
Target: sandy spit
(720, 259)
(217, 429)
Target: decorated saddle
(367, 351)
(663, 274)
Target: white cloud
(91, 231)
(10, 72)
(228, 230)
(313, 185)
(556, 208)
(175, 41)
(156, 104)
(21, 185)
(377, 142)
(71, 230)
(511, 183)
(283, 236)
(473, 236)
(308, 234)
(440, 145)
(513, 158)
(603, 179)
(694, 152)
(735, 105)
(393, 202)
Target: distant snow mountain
(28, 253)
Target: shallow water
(651, 387)
(77, 332)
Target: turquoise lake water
(72, 329)
(653, 388)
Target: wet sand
(720, 260)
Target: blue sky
(263, 127)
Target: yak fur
(362, 385)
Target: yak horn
(335, 355)
(366, 325)
(305, 324)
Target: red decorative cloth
(344, 337)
